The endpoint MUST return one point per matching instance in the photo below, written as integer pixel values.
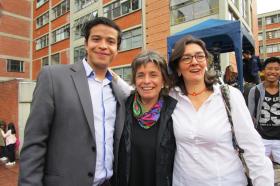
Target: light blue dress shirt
(104, 115)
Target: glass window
(259, 22)
(80, 4)
(260, 37)
(61, 9)
(119, 8)
(42, 20)
(132, 39)
(124, 73)
(183, 11)
(14, 65)
(79, 24)
(55, 59)
(269, 49)
(42, 42)
(61, 34)
(261, 49)
(45, 61)
(268, 20)
(40, 3)
(274, 19)
(79, 53)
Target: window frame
(43, 39)
(59, 34)
(9, 67)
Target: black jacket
(165, 145)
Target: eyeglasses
(188, 58)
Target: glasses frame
(196, 56)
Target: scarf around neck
(146, 119)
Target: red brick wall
(9, 102)
(14, 47)
(15, 26)
(19, 7)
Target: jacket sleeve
(251, 101)
(33, 153)
(260, 166)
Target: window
(14, 65)
(183, 11)
(268, 20)
(124, 73)
(261, 49)
(119, 8)
(273, 34)
(260, 22)
(40, 3)
(79, 4)
(61, 9)
(273, 48)
(132, 39)
(79, 53)
(79, 24)
(61, 34)
(42, 20)
(42, 42)
(55, 59)
(45, 61)
(260, 37)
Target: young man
(251, 67)
(76, 119)
(264, 106)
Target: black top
(143, 155)
(269, 121)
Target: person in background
(251, 67)
(3, 155)
(147, 145)
(77, 114)
(264, 105)
(10, 139)
(205, 153)
(230, 77)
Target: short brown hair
(151, 56)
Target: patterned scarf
(146, 119)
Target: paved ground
(8, 175)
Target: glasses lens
(200, 57)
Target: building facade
(15, 39)
(269, 34)
(57, 28)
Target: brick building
(269, 34)
(15, 39)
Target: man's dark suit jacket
(59, 143)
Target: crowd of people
(88, 127)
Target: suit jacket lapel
(119, 112)
(81, 84)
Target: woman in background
(10, 138)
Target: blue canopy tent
(225, 35)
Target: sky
(264, 6)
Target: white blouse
(205, 155)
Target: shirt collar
(90, 71)
(216, 89)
